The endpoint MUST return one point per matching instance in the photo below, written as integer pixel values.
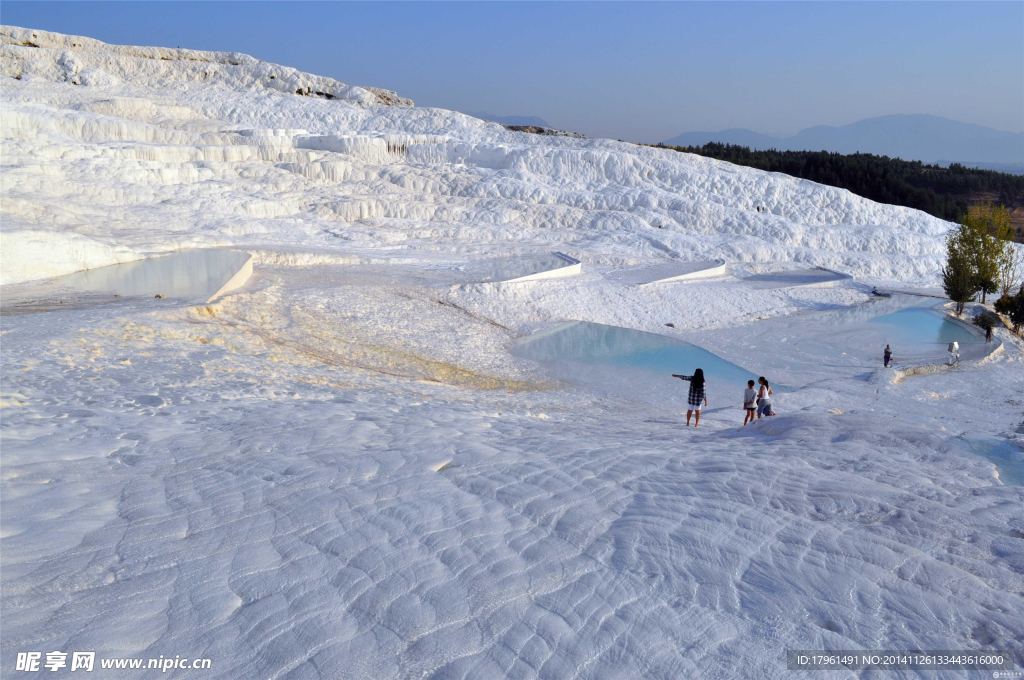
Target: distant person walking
(749, 402)
(887, 356)
(764, 398)
(697, 397)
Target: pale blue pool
(631, 361)
(922, 326)
(917, 331)
(1006, 455)
(190, 274)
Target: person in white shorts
(749, 402)
(697, 397)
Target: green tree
(1011, 268)
(1013, 307)
(959, 276)
(988, 233)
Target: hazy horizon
(641, 72)
(884, 115)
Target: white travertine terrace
(340, 469)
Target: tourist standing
(887, 356)
(697, 397)
(764, 398)
(749, 402)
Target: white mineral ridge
(177, 147)
(341, 471)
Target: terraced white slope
(148, 154)
(340, 471)
(84, 61)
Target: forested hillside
(945, 192)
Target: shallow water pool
(665, 272)
(191, 274)
(922, 326)
(795, 277)
(1006, 455)
(511, 268)
(630, 361)
(917, 330)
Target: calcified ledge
(811, 277)
(572, 267)
(237, 280)
(670, 272)
(840, 277)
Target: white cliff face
(179, 147)
(341, 470)
(53, 57)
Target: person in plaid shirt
(698, 396)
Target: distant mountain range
(512, 120)
(911, 137)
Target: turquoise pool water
(1007, 456)
(190, 274)
(803, 349)
(916, 330)
(922, 326)
(631, 361)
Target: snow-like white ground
(341, 470)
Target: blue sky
(635, 71)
